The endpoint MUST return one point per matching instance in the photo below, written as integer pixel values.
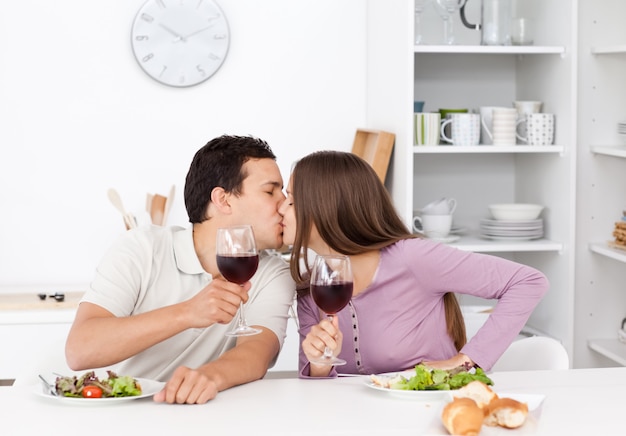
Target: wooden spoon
(168, 203)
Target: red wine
(238, 268)
(332, 298)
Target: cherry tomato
(92, 392)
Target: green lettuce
(427, 378)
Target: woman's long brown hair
(342, 196)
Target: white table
(581, 401)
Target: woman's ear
(219, 197)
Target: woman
(403, 310)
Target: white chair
(536, 352)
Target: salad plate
(430, 395)
(148, 389)
(412, 395)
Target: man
(158, 306)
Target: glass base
(330, 360)
(244, 331)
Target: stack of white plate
(621, 130)
(511, 230)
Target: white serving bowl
(515, 211)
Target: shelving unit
(610, 348)
(612, 150)
(468, 75)
(473, 243)
(600, 268)
(609, 49)
(603, 249)
(482, 49)
(487, 149)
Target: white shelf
(603, 249)
(615, 150)
(609, 49)
(610, 348)
(450, 149)
(480, 245)
(490, 49)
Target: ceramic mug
(433, 226)
(465, 129)
(503, 129)
(486, 113)
(427, 128)
(539, 128)
(525, 107)
(443, 206)
(447, 113)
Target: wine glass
(331, 289)
(237, 260)
(447, 9)
(419, 8)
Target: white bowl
(515, 211)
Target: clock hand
(198, 31)
(177, 35)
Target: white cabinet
(32, 342)
(467, 75)
(601, 270)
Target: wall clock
(180, 42)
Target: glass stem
(328, 353)
(242, 317)
(418, 26)
(448, 30)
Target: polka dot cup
(539, 129)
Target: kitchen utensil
(148, 202)
(447, 9)
(419, 8)
(115, 199)
(427, 126)
(157, 208)
(465, 129)
(522, 32)
(495, 24)
(433, 226)
(503, 125)
(58, 296)
(168, 203)
(49, 387)
(539, 129)
(515, 211)
(442, 206)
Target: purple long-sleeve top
(399, 319)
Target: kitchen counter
(28, 308)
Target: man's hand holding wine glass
(217, 303)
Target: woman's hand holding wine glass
(237, 260)
(331, 289)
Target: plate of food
(91, 389)
(424, 383)
(478, 409)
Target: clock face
(180, 42)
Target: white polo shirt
(152, 267)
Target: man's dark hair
(220, 163)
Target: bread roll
(478, 391)
(462, 417)
(506, 412)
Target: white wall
(78, 116)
